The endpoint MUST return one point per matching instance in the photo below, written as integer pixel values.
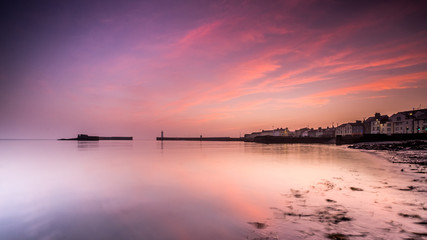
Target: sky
(216, 68)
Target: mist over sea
(204, 190)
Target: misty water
(204, 190)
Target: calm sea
(203, 190)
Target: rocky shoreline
(409, 152)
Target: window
(398, 118)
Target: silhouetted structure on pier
(85, 137)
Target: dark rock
(337, 236)
(296, 214)
(409, 215)
(410, 188)
(258, 225)
(420, 234)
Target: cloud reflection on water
(201, 190)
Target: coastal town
(406, 122)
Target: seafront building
(407, 122)
(251, 136)
(303, 132)
(321, 132)
(312, 132)
(278, 132)
(329, 132)
(421, 124)
(283, 132)
(350, 129)
(378, 124)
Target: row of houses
(311, 132)
(283, 132)
(407, 122)
(303, 132)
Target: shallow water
(204, 190)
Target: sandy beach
(355, 207)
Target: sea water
(204, 190)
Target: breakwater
(198, 139)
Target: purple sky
(217, 68)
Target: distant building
(303, 132)
(350, 129)
(322, 132)
(378, 124)
(328, 132)
(251, 136)
(421, 124)
(267, 133)
(278, 132)
(319, 132)
(312, 133)
(385, 128)
(409, 122)
(282, 132)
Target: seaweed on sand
(337, 236)
(258, 225)
(410, 215)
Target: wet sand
(342, 207)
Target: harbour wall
(198, 139)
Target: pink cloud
(195, 35)
(385, 83)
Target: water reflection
(85, 145)
(92, 145)
(201, 190)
